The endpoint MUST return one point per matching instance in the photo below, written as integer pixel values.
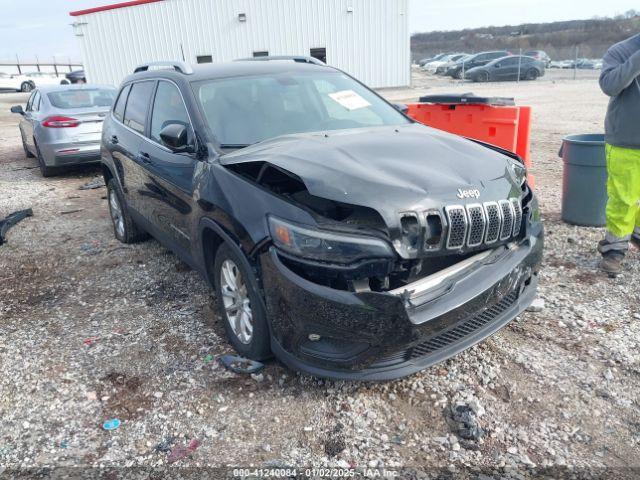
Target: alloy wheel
(116, 213)
(236, 301)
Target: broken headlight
(324, 246)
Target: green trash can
(584, 180)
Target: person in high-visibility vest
(620, 80)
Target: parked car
(476, 60)
(19, 83)
(513, 67)
(338, 234)
(432, 66)
(589, 64)
(424, 61)
(61, 125)
(443, 69)
(559, 64)
(77, 76)
(40, 79)
(540, 55)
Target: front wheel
(240, 305)
(482, 77)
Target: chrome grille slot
(517, 221)
(507, 219)
(494, 222)
(477, 222)
(457, 219)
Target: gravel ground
(92, 330)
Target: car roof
(84, 86)
(496, 60)
(232, 69)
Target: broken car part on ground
(11, 220)
(339, 235)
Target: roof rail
(181, 67)
(294, 58)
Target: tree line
(561, 40)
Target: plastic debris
(112, 424)
(10, 220)
(237, 364)
(64, 443)
(180, 452)
(208, 358)
(90, 341)
(97, 182)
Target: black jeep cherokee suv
(338, 234)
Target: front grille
(457, 219)
(461, 226)
(494, 221)
(507, 219)
(517, 208)
(477, 223)
(465, 329)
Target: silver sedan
(61, 125)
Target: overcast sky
(42, 27)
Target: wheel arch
(212, 236)
(107, 174)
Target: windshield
(65, 99)
(246, 110)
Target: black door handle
(144, 157)
(114, 139)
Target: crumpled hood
(390, 169)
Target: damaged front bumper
(381, 336)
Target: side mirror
(17, 109)
(497, 65)
(401, 107)
(175, 136)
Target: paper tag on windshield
(349, 99)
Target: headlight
(326, 246)
(518, 171)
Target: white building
(368, 39)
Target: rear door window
(135, 114)
(118, 109)
(508, 62)
(168, 108)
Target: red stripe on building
(113, 6)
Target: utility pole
(519, 64)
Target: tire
(124, 228)
(482, 77)
(532, 74)
(45, 170)
(236, 286)
(26, 87)
(27, 153)
(458, 75)
(64, 82)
